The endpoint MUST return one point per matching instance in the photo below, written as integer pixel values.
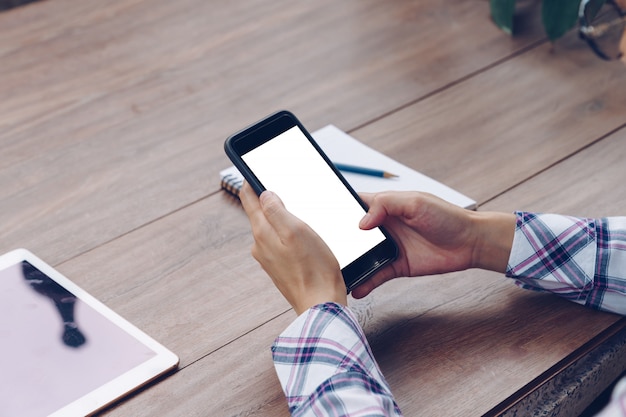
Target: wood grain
(112, 121)
(509, 123)
(126, 107)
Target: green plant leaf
(502, 12)
(559, 16)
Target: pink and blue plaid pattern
(326, 367)
(583, 260)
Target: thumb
(271, 205)
(374, 217)
(275, 212)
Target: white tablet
(64, 353)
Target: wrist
(311, 297)
(494, 240)
(312, 302)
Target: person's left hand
(299, 262)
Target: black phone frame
(268, 128)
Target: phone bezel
(268, 128)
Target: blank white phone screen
(291, 167)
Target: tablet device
(64, 353)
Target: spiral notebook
(345, 149)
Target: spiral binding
(232, 184)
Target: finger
(369, 285)
(363, 290)
(252, 207)
(277, 215)
(377, 212)
(367, 197)
(406, 204)
(249, 199)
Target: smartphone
(278, 154)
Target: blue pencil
(364, 171)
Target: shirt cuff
(321, 343)
(580, 259)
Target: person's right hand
(435, 236)
(301, 265)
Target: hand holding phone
(278, 154)
(297, 260)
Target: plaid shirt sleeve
(583, 260)
(326, 367)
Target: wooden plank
(507, 124)
(235, 381)
(115, 116)
(243, 49)
(590, 184)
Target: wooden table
(112, 120)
